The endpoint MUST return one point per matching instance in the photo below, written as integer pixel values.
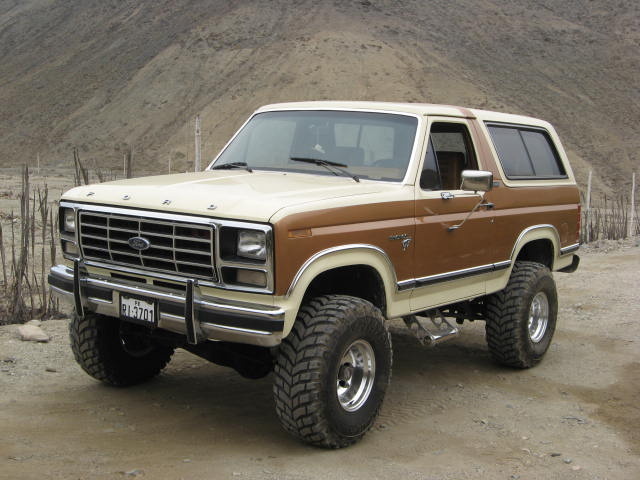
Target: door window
(449, 152)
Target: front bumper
(190, 313)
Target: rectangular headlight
(252, 244)
(69, 220)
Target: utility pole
(197, 155)
(632, 208)
(587, 217)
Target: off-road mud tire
(507, 311)
(98, 348)
(306, 370)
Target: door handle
(488, 205)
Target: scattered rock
(34, 322)
(50, 369)
(567, 461)
(555, 454)
(186, 460)
(580, 421)
(575, 468)
(19, 459)
(136, 472)
(9, 359)
(32, 333)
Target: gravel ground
(450, 412)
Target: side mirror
(477, 180)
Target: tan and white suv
(316, 224)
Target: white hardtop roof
(421, 109)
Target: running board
(431, 329)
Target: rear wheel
(332, 371)
(116, 352)
(521, 319)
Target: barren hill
(106, 74)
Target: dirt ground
(450, 412)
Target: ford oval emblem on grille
(139, 243)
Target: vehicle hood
(234, 194)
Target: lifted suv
(316, 224)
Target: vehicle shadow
(204, 403)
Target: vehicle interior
(450, 151)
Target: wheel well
(360, 281)
(540, 251)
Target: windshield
(375, 146)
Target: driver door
(449, 263)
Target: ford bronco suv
(317, 224)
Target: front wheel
(116, 352)
(332, 371)
(521, 319)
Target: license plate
(138, 310)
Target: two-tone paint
(395, 228)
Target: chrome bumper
(198, 317)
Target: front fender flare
(335, 257)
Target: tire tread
(303, 355)
(93, 348)
(504, 310)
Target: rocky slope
(103, 75)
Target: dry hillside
(106, 74)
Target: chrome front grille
(174, 247)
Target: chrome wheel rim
(538, 317)
(356, 374)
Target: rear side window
(526, 153)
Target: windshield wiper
(328, 164)
(229, 166)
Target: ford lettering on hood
(238, 194)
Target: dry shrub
(26, 295)
(608, 220)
